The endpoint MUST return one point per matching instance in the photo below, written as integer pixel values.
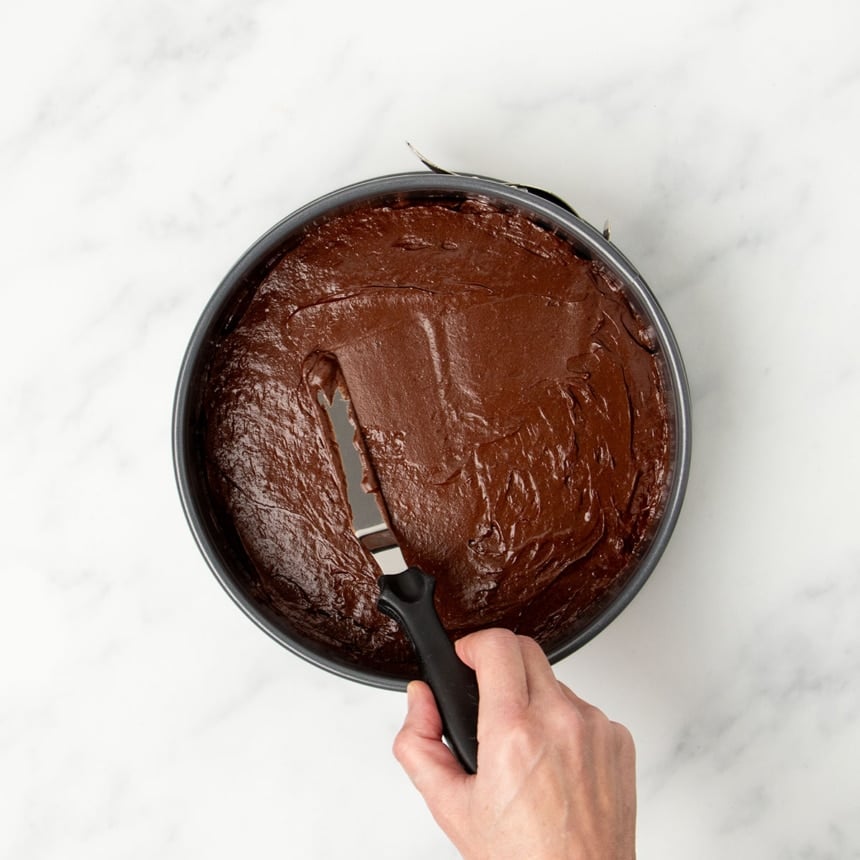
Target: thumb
(432, 767)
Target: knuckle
(527, 641)
(401, 746)
(524, 737)
(623, 737)
(529, 645)
(579, 721)
(592, 716)
(566, 718)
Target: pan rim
(262, 251)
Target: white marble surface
(144, 145)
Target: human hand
(556, 779)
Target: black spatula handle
(408, 598)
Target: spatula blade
(369, 520)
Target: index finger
(497, 659)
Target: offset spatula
(406, 594)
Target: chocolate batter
(511, 401)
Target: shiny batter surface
(511, 402)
